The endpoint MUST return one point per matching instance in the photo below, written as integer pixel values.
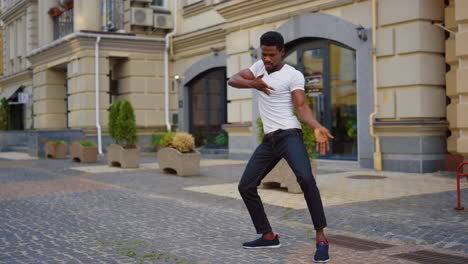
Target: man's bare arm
(322, 135)
(303, 110)
(246, 79)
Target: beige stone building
(388, 77)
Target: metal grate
(356, 243)
(428, 257)
(367, 177)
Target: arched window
(329, 69)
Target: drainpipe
(166, 66)
(98, 125)
(460, 66)
(377, 153)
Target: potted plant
(122, 128)
(84, 151)
(282, 174)
(179, 154)
(55, 149)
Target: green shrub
(127, 125)
(112, 125)
(166, 140)
(59, 142)
(260, 129)
(4, 114)
(86, 143)
(122, 124)
(156, 141)
(221, 139)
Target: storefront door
(330, 74)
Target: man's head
(272, 45)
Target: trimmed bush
(59, 142)
(112, 126)
(86, 143)
(122, 124)
(183, 142)
(4, 114)
(166, 140)
(127, 125)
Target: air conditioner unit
(141, 16)
(163, 21)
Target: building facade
(70, 60)
(400, 117)
(387, 77)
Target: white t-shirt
(276, 109)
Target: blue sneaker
(321, 254)
(263, 243)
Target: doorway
(329, 69)
(208, 108)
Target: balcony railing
(63, 24)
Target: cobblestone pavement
(51, 214)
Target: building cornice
(12, 12)
(411, 128)
(196, 9)
(16, 77)
(236, 11)
(77, 41)
(199, 38)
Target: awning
(9, 92)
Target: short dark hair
(272, 38)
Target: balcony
(63, 24)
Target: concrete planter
(83, 154)
(52, 150)
(117, 156)
(282, 174)
(184, 164)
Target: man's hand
(260, 85)
(322, 135)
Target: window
(21, 37)
(11, 38)
(63, 24)
(158, 3)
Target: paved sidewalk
(54, 214)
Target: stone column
(141, 81)
(457, 78)
(82, 93)
(49, 99)
(411, 68)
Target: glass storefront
(329, 69)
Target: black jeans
(287, 144)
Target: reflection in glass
(208, 109)
(313, 69)
(343, 101)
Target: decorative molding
(71, 46)
(16, 77)
(234, 11)
(201, 38)
(412, 128)
(16, 10)
(239, 129)
(196, 9)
